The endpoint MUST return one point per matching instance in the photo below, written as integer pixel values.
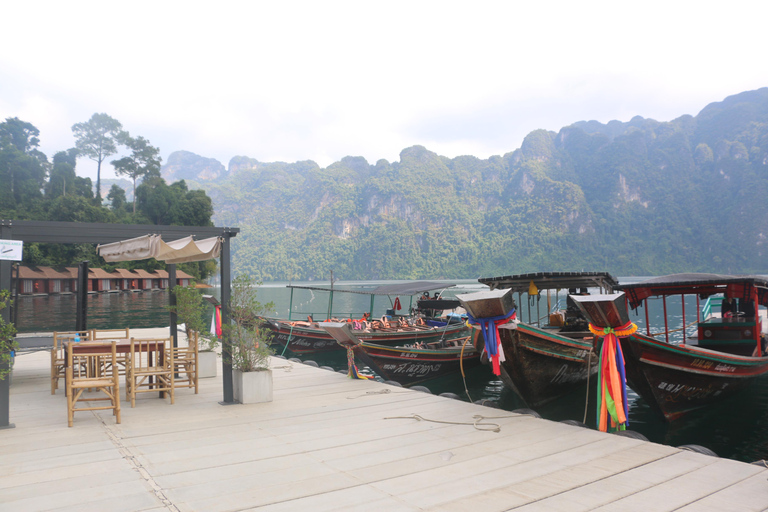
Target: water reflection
(105, 311)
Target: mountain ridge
(636, 198)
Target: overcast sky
(320, 80)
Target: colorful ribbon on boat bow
(216, 321)
(353, 372)
(490, 329)
(611, 379)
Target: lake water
(736, 428)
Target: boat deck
(327, 442)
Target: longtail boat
(308, 336)
(551, 354)
(685, 371)
(407, 364)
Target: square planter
(252, 387)
(207, 364)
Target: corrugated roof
(552, 281)
(30, 273)
(99, 273)
(125, 273)
(52, 273)
(33, 272)
(180, 274)
(694, 280)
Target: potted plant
(8, 344)
(249, 344)
(191, 310)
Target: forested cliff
(636, 198)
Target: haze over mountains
(637, 198)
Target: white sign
(11, 250)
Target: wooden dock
(329, 443)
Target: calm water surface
(736, 428)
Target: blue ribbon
(622, 373)
(488, 328)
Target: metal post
(666, 325)
(226, 350)
(647, 325)
(81, 316)
(172, 302)
(682, 297)
(538, 312)
(757, 329)
(698, 309)
(5, 284)
(15, 294)
(528, 299)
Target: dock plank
(329, 443)
(689, 487)
(747, 495)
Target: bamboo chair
(78, 381)
(185, 361)
(150, 368)
(58, 361)
(113, 334)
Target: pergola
(93, 233)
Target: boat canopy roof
(705, 285)
(409, 288)
(552, 281)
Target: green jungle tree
(7, 337)
(97, 139)
(143, 160)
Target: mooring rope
(589, 371)
(461, 365)
(478, 423)
(368, 393)
(290, 334)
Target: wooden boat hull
(542, 366)
(675, 379)
(410, 366)
(308, 340)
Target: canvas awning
(153, 246)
